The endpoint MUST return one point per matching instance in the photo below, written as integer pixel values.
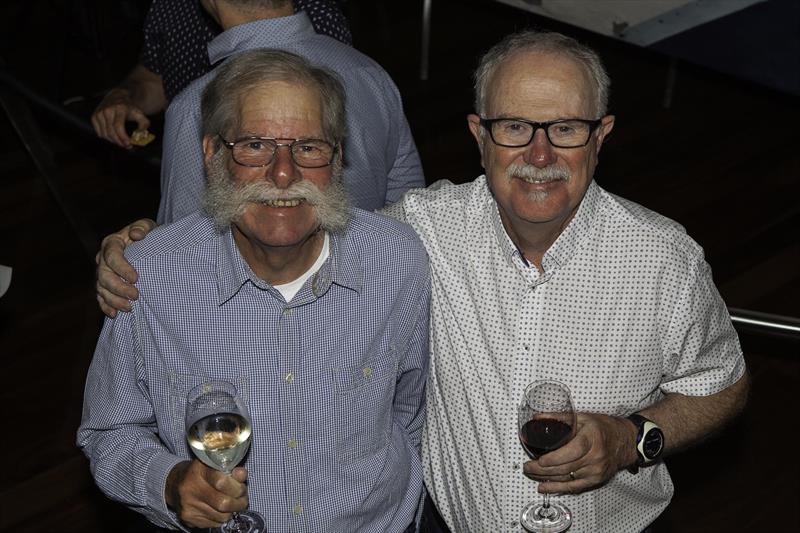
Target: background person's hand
(602, 446)
(203, 497)
(115, 276)
(109, 118)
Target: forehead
(540, 86)
(281, 106)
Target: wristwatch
(649, 441)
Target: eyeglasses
(516, 132)
(260, 151)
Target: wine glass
(218, 430)
(546, 422)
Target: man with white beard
(315, 311)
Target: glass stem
(546, 511)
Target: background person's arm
(141, 93)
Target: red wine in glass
(542, 435)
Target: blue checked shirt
(334, 379)
(381, 160)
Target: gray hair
(546, 42)
(222, 97)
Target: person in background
(176, 34)
(318, 312)
(381, 160)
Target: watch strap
(644, 427)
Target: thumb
(141, 228)
(142, 122)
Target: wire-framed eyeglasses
(517, 132)
(260, 151)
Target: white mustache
(531, 173)
(266, 192)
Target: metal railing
(765, 323)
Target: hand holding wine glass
(546, 421)
(218, 429)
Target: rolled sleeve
(703, 351)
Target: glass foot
(537, 518)
(244, 522)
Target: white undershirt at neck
(288, 290)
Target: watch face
(653, 442)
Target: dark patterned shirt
(176, 33)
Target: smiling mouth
(290, 202)
(539, 181)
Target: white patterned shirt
(624, 312)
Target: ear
(474, 123)
(209, 148)
(606, 125)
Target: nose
(282, 170)
(540, 152)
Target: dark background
(696, 138)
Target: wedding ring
(572, 476)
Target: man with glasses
(381, 161)
(316, 311)
(539, 273)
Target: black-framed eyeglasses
(517, 132)
(260, 151)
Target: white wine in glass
(218, 430)
(546, 421)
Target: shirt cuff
(155, 484)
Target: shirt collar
(343, 267)
(576, 231)
(265, 33)
(565, 245)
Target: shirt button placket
(291, 347)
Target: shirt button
(297, 509)
(367, 372)
(293, 443)
(289, 378)
(287, 311)
(515, 466)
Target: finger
(95, 120)
(108, 299)
(118, 127)
(107, 310)
(101, 126)
(233, 491)
(565, 487)
(200, 514)
(239, 474)
(140, 228)
(135, 114)
(113, 258)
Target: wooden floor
(722, 159)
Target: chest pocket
(179, 387)
(363, 400)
